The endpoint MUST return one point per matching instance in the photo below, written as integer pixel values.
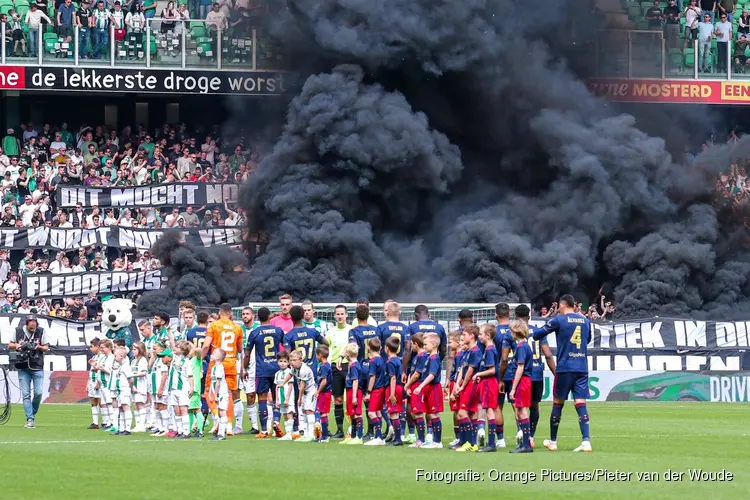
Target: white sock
(178, 424)
(302, 423)
(95, 415)
(239, 413)
(164, 420)
(223, 426)
(128, 419)
(142, 418)
(270, 420)
(105, 414)
(116, 419)
(170, 410)
(252, 414)
(290, 425)
(186, 424)
(149, 414)
(310, 425)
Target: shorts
(469, 398)
(179, 398)
(139, 398)
(324, 403)
(508, 385)
(398, 407)
(248, 384)
(453, 402)
(575, 382)
(308, 402)
(691, 33)
(18, 35)
(106, 395)
(124, 399)
(91, 389)
(195, 402)
(163, 400)
(489, 390)
(339, 380)
(432, 395)
(65, 31)
(416, 401)
(537, 391)
(377, 399)
(523, 393)
(232, 379)
(264, 385)
(351, 409)
(286, 409)
(222, 403)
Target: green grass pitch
(60, 459)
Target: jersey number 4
(576, 338)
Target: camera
(28, 349)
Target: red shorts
(469, 398)
(489, 389)
(453, 402)
(324, 403)
(399, 406)
(352, 410)
(377, 400)
(523, 393)
(432, 395)
(416, 401)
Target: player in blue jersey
(394, 394)
(540, 348)
(393, 328)
(487, 378)
(468, 392)
(505, 345)
(520, 391)
(267, 342)
(303, 339)
(324, 393)
(425, 325)
(432, 391)
(197, 336)
(376, 382)
(361, 335)
(573, 332)
(456, 353)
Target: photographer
(27, 356)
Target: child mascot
(117, 315)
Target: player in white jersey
(93, 387)
(219, 392)
(181, 387)
(139, 369)
(123, 390)
(306, 401)
(104, 367)
(160, 391)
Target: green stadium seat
(198, 31)
(634, 11)
(19, 3)
(675, 59)
(50, 39)
(689, 58)
(4, 9)
(641, 25)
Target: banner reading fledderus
(49, 286)
(178, 194)
(112, 236)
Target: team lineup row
(392, 372)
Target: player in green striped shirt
(93, 384)
(310, 321)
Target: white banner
(50, 286)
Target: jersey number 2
(576, 338)
(268, 343)
(227, 341)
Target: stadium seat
(50, 39)
(675, 59)
(19, 3)
(634, 11)
(198, 31)
(641, 25)
(4, 9)
(689, 58)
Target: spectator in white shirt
(26, 211)
(209, 147)
(705, 35)
(723, 34)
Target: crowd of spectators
(34, 163)
(128, 18)
(600, 309)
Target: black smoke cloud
(205, 276)
(449, 151)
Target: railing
(651, 54)
(189, 44)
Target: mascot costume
(117, 315)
